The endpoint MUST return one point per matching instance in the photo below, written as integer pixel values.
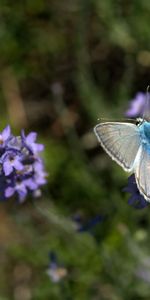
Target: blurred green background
(63, 65)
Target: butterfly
(128, 143)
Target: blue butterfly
(128, 143)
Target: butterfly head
(139, 121)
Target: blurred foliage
(64, 64)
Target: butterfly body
(128, 144)
(144, 130)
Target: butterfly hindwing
(121, 141)
(142, 172)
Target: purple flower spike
(136, 199)
(21, 168)
(137, 106)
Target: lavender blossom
(19, 188)
(136, 199)
(137, 104)
(21, 169)
(10, 161)
(29, 142)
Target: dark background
(63, 65)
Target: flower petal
(31, 184)
(40, 147)
(9, 192)
(31, 137)
(7, 167)
(6, 132)
(18, 165)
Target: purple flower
(136, 199)
(19, 188)
(31, 184)
(137, 104)
(11, 161)
(29, 142)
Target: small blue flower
(82, 226)
(55, 271)
(136, 199)
(137, 104)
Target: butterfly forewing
(142, 172)
(121, 141)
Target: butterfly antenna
(146, 114)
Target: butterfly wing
(121, 141)
(142, 172)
